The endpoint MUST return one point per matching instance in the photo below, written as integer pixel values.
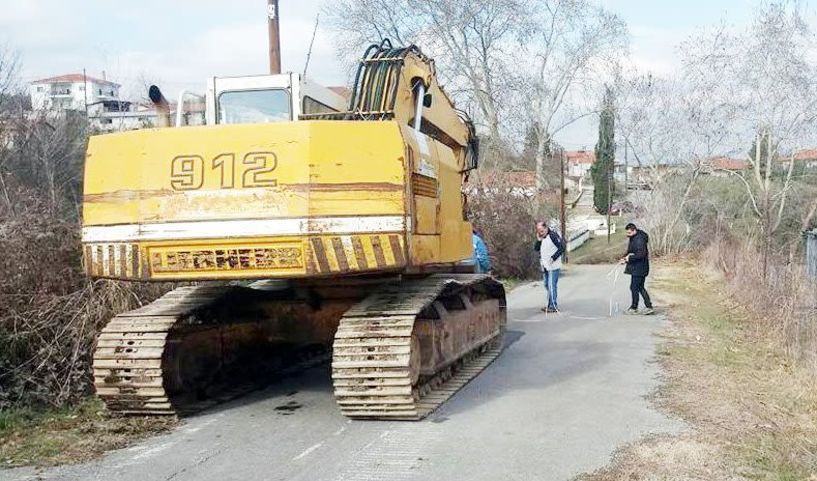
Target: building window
(40, 88)
(100, 91)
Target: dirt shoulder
(71, 435)
(751, 415)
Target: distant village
(99, 99)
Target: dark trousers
(636, 288)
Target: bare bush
(781, 300)
(505, 215)
(50, 313)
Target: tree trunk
(541, 157)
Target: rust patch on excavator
(360, 254)
(397, 250)
(378, 252)
(129, 195)
(126, 195)
(320, 254)
(346, 186)
(340, 254)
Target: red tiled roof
(74, 77)
(806, 154)
(580, 156)
(726, 163)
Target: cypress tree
(602, 169)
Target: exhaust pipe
(162, 106)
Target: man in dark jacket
(638, 266)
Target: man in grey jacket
(550, 248)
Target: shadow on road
(316, 380)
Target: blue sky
(178, 43)
(657, 27)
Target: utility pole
(609, 196)
(565, 238)
(274, 37)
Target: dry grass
(598, 251)
(752, 414)
(69, 435)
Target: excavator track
(408, 347)
(128, 370)
(183, 352)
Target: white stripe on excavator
(244, 228)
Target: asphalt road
(567, 391)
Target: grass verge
(752, 415)
(598, 251)
(70, 435)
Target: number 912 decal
(189, 172)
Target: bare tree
(9, 113)
(772, 84)
(9, 76)
(733, 85)
(475, 44)
(673, 126)
(570, 44)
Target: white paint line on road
(307, 451)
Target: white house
(71, 92)
(579, 162)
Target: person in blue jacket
(481, 260)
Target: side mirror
(427, 100)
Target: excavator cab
(267, 98)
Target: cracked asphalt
(567, 391)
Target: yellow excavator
(308, 228)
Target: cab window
(312, 106)
(254, 106)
